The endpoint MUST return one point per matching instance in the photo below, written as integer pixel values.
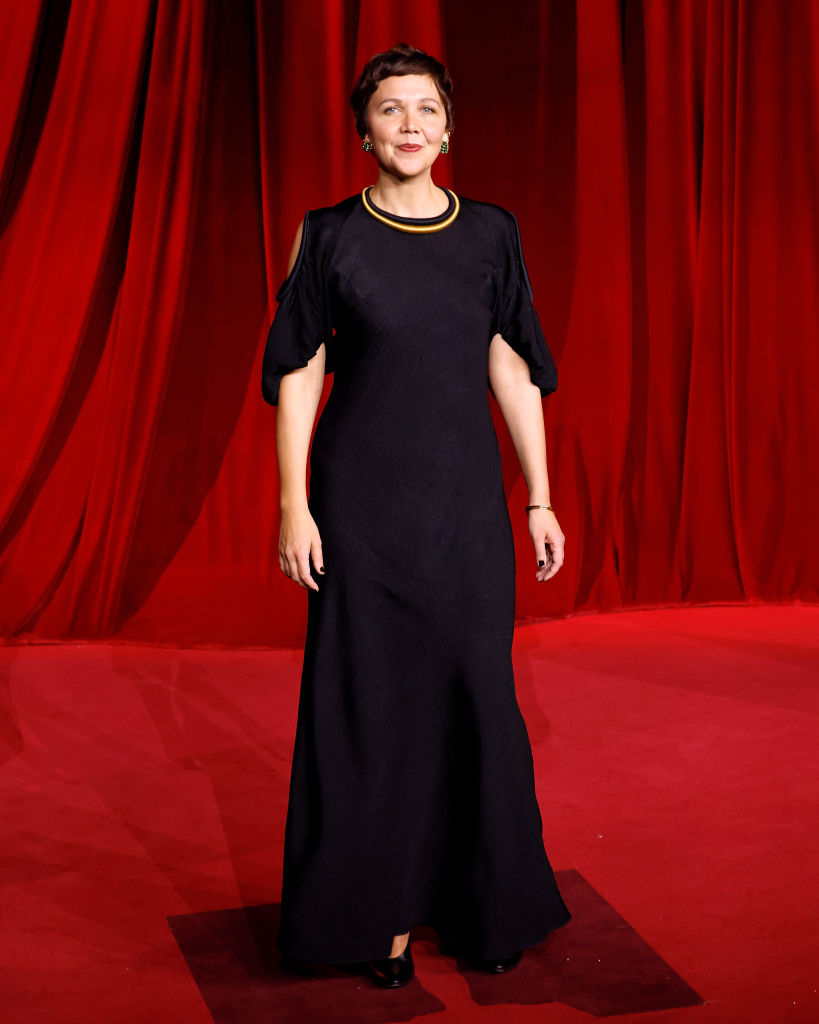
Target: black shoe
(499, 965)
(393, 971)
(496, 965)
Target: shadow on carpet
(597, 964)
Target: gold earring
(367, 146)
(445, 146)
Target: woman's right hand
(299, 539)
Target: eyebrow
(396, 99)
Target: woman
(412, 795)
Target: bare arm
(299, 396)
(520, 403)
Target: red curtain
(155, 158)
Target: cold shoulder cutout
(302, 320)
(516, 319)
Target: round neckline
(419, 225)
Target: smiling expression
(406, 111)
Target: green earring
(367, 146)
(444, 146)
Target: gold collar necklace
(416, 225)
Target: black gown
(412, 797)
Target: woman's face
(406, 111)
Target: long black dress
(412, 797)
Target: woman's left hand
(548, 539)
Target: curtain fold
(155, 160)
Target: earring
(367, 146)
(445, 146)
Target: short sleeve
(302, 320)
(515, 316)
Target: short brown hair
(402, 59)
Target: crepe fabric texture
(412, 794)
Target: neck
(409, 197)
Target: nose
(409, 124)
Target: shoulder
(491, 213)
(495, 220)
(320, 227)
(498, 225)
(326, 220)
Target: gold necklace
(385, 217)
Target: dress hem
(445, 937)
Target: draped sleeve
(302, 320)
(515, 316)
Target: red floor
(677, 757)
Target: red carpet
(143, 793)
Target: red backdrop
(155, 158)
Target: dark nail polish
(321, 568)
(541, 563)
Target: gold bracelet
(530, 507)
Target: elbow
(515, 381)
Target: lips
(408, 148)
